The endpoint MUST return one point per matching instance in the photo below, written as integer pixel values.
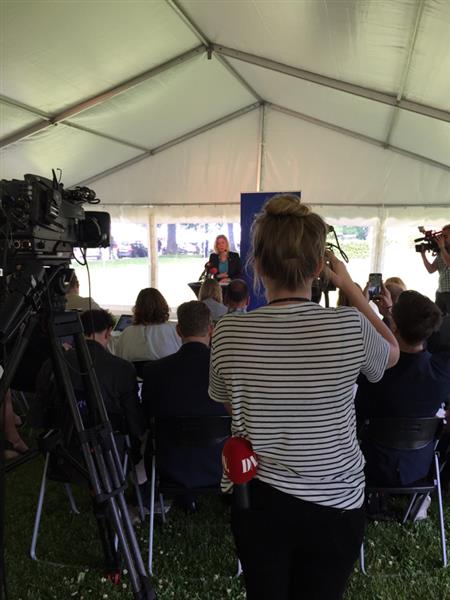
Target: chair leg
(37, 520)
(73, 506)
(239, 569)
(362, 562)
(408, 510)
(441, 510)
(161, 504)
(152, 517)
(137, 489)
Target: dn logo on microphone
(248, 463)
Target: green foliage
(355, 248)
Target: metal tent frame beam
(406, 68)
(183, 138)
(329, 82)
(358, 136)
(195, 29)
(97, 99)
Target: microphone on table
(240, 464)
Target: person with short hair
(151, 336)
(227, 263)
(287, 372)
(441, 264)
(73, 299)
(415, 387)
(211, 294)
(116, 376)
(177, 385)
(237, 296)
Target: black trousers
(443, 301)
(295, 550)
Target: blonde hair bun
(286, 205)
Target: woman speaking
(288, 370)
(226, 263)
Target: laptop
(122, 323)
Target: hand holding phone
(375, 282)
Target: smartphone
(375, 280)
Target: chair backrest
(191, 431)
(140, 365)
(403, 433)
(188, 451)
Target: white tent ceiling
(165, 102)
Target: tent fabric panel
(360, 42)
(61, 147)
(12, 119)
(169, 105)
(186, 213)
(213, 168)
(56, 54)
(333, 106)
(423, 135)
(332, 168)
(429, 76)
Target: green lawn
(195, 558)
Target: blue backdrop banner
(251, 204)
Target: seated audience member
(117, 377)
(9, 422)
(396, 281)
(237, 296)
(211, 294)
(76, 302)
(389, 295)
(177, 385)
(440, 340)
(415, 387)
(151, 336)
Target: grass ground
(195, 558)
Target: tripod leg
(106, 537)
(37, 520)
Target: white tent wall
(347, 180)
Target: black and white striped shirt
(289, 373)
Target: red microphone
(212, 270)
(240, 464)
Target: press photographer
(439, 244)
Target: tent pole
(152, 250)
(378, 251)
(262, 138)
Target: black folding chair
(405, 433)
(182, 433)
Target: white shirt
(147, 342)
(217, 309)
(289, 373)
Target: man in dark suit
(177, 385)
(116, 376)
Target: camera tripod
(39, 291)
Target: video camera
(40, 220)
(429, 241)
(322, 284)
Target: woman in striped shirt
(287, 370)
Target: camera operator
(441, 264)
